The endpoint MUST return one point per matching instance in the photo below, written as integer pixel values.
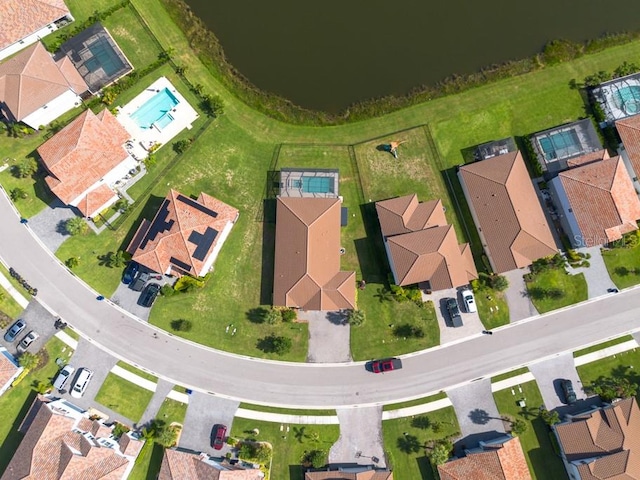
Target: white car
(63, 377)
(469, 301)
(81, 382)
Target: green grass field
(623, 265)
(574, 288)
(492, 308)
(536, 443)
(8, 305)
(124, 397)
(626, 364)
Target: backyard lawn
(405, 439)
(623, 265)
(536, 443)
(124, 397)
(573, 289)
(288, 448)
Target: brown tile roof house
(21, 18)
(307, 256)
(502, 460)
(629, 130)
(31, 80)
(180, 465)
(603, 444)
(421, 247)
(340, 475)
(185, 236)
(80, 155)
(9, 369)
(506, 211)
(598, 201)
(60, 442)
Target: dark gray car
(15, 330)
(454, 312)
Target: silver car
(63, 377)
(15, 330)
(27, 340)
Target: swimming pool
(628, 98)
(560, 145)
(317, 184)
(156, 110)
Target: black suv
(569, 394)
(454, 312)
(148, 295)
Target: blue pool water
(317, 184)
(156, 110)
(628, 98)
(560, 144)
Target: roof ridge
(180, 229)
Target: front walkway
(517, 296)
(596, 275)
(360, 437)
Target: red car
(219, 436)
(386, 365)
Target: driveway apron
(471, 324)
(517, 297)
(37, 319)
(548, 375)
(360, 438)
(48, 225)
(329, 337)
(159, 396)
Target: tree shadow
(13, 439)
(61, 228)
(337, 317)
(257, 315)
(426, 470)
(479, 416)
(409, 444)
(422, 422)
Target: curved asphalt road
(295, 384)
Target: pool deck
(142, 139)
(289, 186)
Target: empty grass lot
(536, 443)
(623, 265)
(288, 447)
(573, 287)
(124, 397)
(406, 454)
(626, 364)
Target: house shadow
(296, 472)
(370, 250)
(148, 211)
(473, 440)
(268, 260)
(13, 439)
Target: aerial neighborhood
(193, 287)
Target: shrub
(181, 146)
(275, 344)
(18, 194)
(441, 452)
(119, 429)
(122, 205)
(549, 417)
(273, 316)
(289, 315)
(26, 168)
(72, 262)
(498, 282)
(150, 161)
(116, 260)
(314, 458)
(29, 361)
(186, 284)
(356, 318)
(76, 226)
(181, 325)
(518, 427)
(167, 290)
(212, 105)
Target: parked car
(148, 295)
(63, 377)
(15, 330)
(84, 377)
(139, 282)
(454, 312)
(469, 301)
(385, 365)
(569, 393)
(130, 272)
(27, 340)
(219, 436)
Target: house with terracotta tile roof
(85, 159)
(351, 473)
(421, 246)
(9, 369)
(60, 441)
(35, 90)
(629, 131)
(185, 236)
(25, 22)
(603, 443)
(179, 464)
(307, 271)
(507, 213)
(597, 202)
(498, 459)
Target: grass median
(124, 397)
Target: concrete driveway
(471, 323)
(329, 337)
(128, 299)
(205, 411)
(48, 225)
(40, 321)
(360, 438)
(548, 375)
(477, 413)
(596, 274)
(517, 297)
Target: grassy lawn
(512, 373)
(376, 338)
(14, 282)
(148, 463)
(15, 403)
(286, 411)
(626, 364)
(287, 449)
(413, 403)
(574, 288)
(137, 371)
(536, 443)
(406, 454)
(602, 346)
(8, 305)
(492, 308)
(623, 265)
(172, 411)
(124, 397)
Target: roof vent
(343, 251)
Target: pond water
(327, 55)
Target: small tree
(549, 417)
(314, 458)
(18, 194)
(518, 427)
(28, 360)
(167, 290)
(76, 226)
(122, 205)
(181, 146)
(212, 105)
(441, 452)
(498, 282)
(181, 325)
(116, 260)
(610, 388)
(26, 168)
(167, 435)
(355, 318)
(150, 161)
(289, 315)
(72, 262)
(275, 344)
(273, 317)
